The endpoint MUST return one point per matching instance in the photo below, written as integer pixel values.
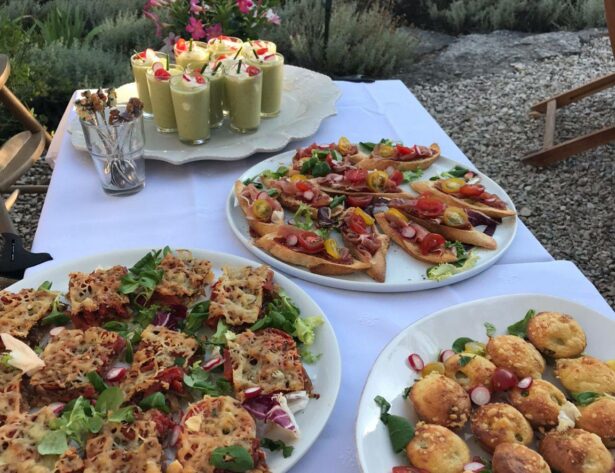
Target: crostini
(403, 158)
(359, 182)
(263, 213)
(320, 160)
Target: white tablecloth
(184, 207)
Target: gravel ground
(568, 206)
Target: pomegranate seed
(480, 395)
(408, 232)
(116, 374)
(525, 383)
(211, 364)
(474, 466)
(55, 331)
(416, 362)
(174, 435)
(57, 407)
(503, 379)
(292, 240)
(308, 195)
(445, 355)
(249, 393)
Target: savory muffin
(556, 335)
(540, 403)
(517, 355)
(440, 400)
(496, 423)
(599, 418)
(585, 374)
(436, 448)
(576, 451)
(469, 370)
(517, 458)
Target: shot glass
(140, 63)
(243, 84)
(160, 96)
(190, 94)
(272, 66)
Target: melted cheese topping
(184, 275)
(97, 291)
(19, 312)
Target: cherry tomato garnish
(403, 150)
(356, 176)
(359, 201)
(431, 242)
(310, 242)
(471, 190)
(397, 177)
(303, 185)
(430, 207)
(356, 224)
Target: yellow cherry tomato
(262, 209)
(476, 348)
(298, 177)
(455, 217)
(452, 185)
(366, 217)
(611, 364)
(396, 214)
(376, 180)
(332, 249)
(386, 151)
(435, 367)
(344, 145)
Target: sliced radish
(292, 240)
(473, 466)
(269, 56)
(249, 393)
(187, 78)
(416, 362)
(174, 437)
(468, 175)
(480, 395)
(57, 407)
(525, 383)
(337, 178)
(417, 150)
(408, 232)
(55, 331)
(157, 66)
(445, 355)
(308, 195)
(116, 374)
(214, 362)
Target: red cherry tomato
(407, 469)
(471, 190)
(430, 207)
(359, 201)
(356, 176)
(303, 186)
(356, 224)
(310, 242)
(397, 177)
(181, 45)
(431, 242)
(403, 150)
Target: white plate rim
(334, 363)
(543, 298)
(367, 286)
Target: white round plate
(404, 273)
(325, 373)
(391, 374)
(308, 98)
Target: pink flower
(155, 19)
(195, 28)
(195, 7)
(213, 31)
(272, 17)
(245, 6)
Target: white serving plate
(308, 98)
(325, 373)
(404, 273)
(391, 373)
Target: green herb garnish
(234, 458)
(412, 175)
(337, 200)
(400, 429)
(520, 328)
(207, 383)
(464, 360)
(585, 398)
(308, 357)
(95, 380)
(490, 329)
(274, 445)
(144, 276)
(155, 401)
(367, 146)
(315, 167)
(303, 217)
(460, 344)
(195, 318)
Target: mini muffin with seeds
(585, 374)
(496, 423)
(469, 370)
(575, 451)
(556, 335)
(437, 449)
(440, 400)
(540, 403)
(599, 418)
(517, 458)
(515, 354)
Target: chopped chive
(216, 68)
(237, 53)
(255, 53)
(190, 47)
(239, 66)
(204, 67)
(167, 68)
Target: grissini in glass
(243, 84)
(193, 54)
(272, 66)
(214, 73)
(190, 94)
(158, 78)
(140, 63)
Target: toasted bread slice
(471, 237)
(260, 228)
(378, 260)
(388, 195)
(412, 248)
(429, 186)
(378, 162)
(314, 263)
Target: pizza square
(159, 362)
(69, 357)
(95, 297)
(239, 295)
(20, 311)
(184, 278)
(268, 359)
(11, 402)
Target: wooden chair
(552, 153)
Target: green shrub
(95, 12)
(14, 9)
(64, 23)
(362, 40)
(126, 32)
